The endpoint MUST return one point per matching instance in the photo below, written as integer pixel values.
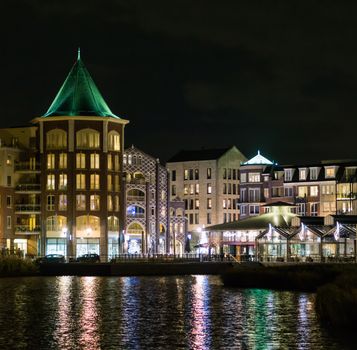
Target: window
(56, 139)
(110, 203)
(185, 174)
(197, 204)
(94, 202)
(209, 218)
(254, 177)
(288, 174)
(62, 185)
(80, 161)
(277, 191)
(80, 202)
(62, 161)
(209, 203)
(254, 209)
(254, 195)
(267, 210)
(243, 177)
(302, 174)
(190, 205)
(209, 173)
(314, 209)
(62, 203)
(173, 175)
(94, 161)
(116, 203)
(110, 183)
(173, 190)
(313, 173)
(191, 174)
(197, 174)
(8, 222)
(185, 189)
(209, 188)
(116, 162)
(224, 173)
(50, 161)
(116, 183)
(234, 174)
(288, 192)
(50, 202)
(110, 162)
(191, 219)
(80, 181)
(197, 188)
(302, 191)
(301, 209)
(243, 195)
(87, 138)
(314, 191)
(197, 221)
(266, 192)
(51, 182)
(224, 188)
(229, 174)
(234, 191)
(94, 182)
(8, 180)
(113, 141)
(224, 204)
(9, 201)
(243, 210)
(327, 189)
(9, 160)
(192, 189)
(329, 172)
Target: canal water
(186, 312)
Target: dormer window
(313, 173)
(288, 174)
(330, 172)
(302, 174)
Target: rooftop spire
(79, 54)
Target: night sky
(279, 76)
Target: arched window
(87, 226)
(135, 228)
(113, 223)
(88, 138)
(135, 211)
(56, 224)
(135, 195)
(114, 141)
(56, 139)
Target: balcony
(136, 216)
(27, 230)
(27, 208)
(136, 181)
(346, 196)
(135, 198)
(27, 167)
(28, 188)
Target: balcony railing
(27, 208)
(26, 229)
(136, 181)
(27, 166)
(348, 196)
(136, 198)
(138, 216)
(28, 188)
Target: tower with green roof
(81, 143)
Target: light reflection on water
(190, 312)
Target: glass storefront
(87, 246)
(56, 246)
(113, 247)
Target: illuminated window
(302, 191)
(62, 161)
(62, 184)
(116, 203)
(50, 202)
(113, 223)
(62, 203)
(94, 202)
(110, 162)
(56, 139)
(94, 182)
(209, 188)
(314, 191)
(80, 181)
(197, 188)
(80, 161)
(80, 202)
(185, 174)
(185, 189)
(56, 223)
(9, 160)
(94, 161)
(302, 174)
(50, 161)
(116, 183)
(116, 162)
(124, 159)
(329, 172)
(254, 177)
(288, 174)
(197, 204)
(110, 203)
(209, 203)
(192, 189)
(88, 138)
(113, 141)
(243, 177)
(266, 192)
(51, 182)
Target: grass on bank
(16, 266)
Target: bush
(15, 266)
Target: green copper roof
(79, 96)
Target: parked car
(89, 258)
(52, 258)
